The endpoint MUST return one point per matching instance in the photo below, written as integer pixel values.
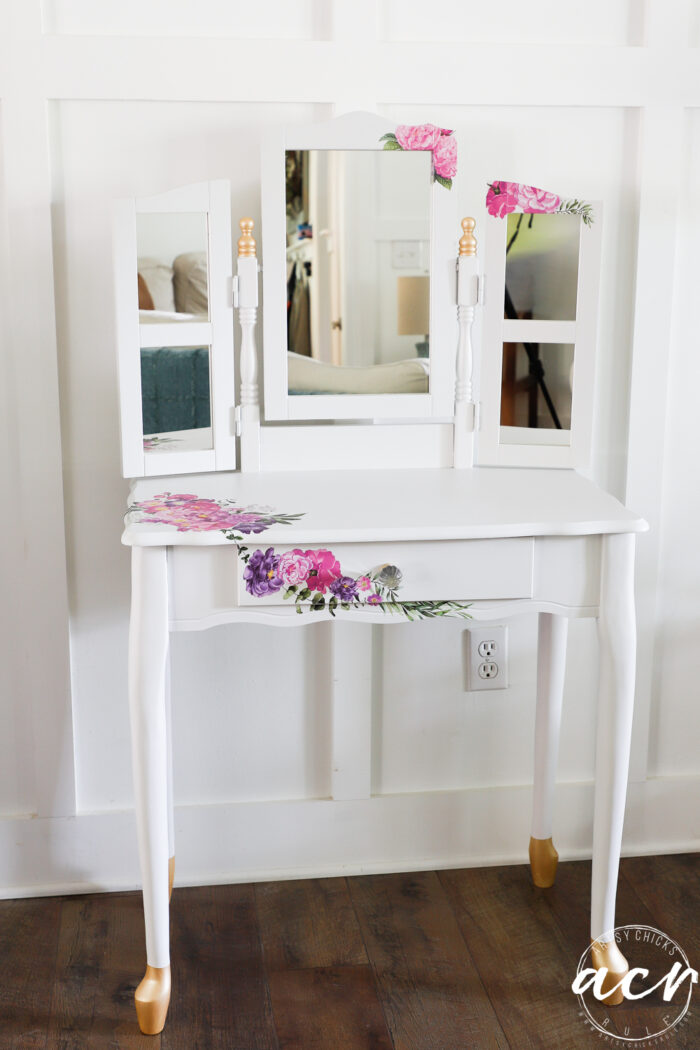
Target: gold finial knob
(467, 242)
(246, 242)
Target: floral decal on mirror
(439, 141)
(314, 579)
(503, 198)
(152, 443)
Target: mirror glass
(358, 277)
(542, 267)
(172, 266)
(176, 398)
(536, 386)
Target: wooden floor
(425, 961)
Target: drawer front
(466, 570)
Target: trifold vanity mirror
(367, 318)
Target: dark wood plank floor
(446, 960)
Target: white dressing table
(288, 547)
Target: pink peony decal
(418, 136)
(295, 566)
(533, 201)
(427, 137)
(503, 198)
(445, 157)
(327, 568)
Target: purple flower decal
(374, 599)
(344, 589)
(261, 575)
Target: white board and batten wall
(108, 100)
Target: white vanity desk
(277, 545)
(506, 541)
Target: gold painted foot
(171, 876)
(608, 954)
(543, 862)
(152, 999)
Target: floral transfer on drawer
(314, 579)
(506, 197)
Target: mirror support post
(467, 299)
(247, 302)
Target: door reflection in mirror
(172, 266)
(358, 225)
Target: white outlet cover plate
(475, 637)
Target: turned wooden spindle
(249, 413)
(467, 297)
(467, 242)
(246, 242)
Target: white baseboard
(258, 841)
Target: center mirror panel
(357, 271)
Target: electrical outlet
(486, 658)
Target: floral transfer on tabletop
(439, 141)
(506, 197)
(313, 578)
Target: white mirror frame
(531, 447)
(352, 131)
(214, 199)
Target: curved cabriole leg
(551, 663)
(617, 639)
(171, 804)
(148, 648)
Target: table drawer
(446, 570)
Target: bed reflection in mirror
(172, 267)
(358, 279)
(172, 263)
(176, 398)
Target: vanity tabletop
(353, 506)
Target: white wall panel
(536, 22)
(675, 725)
(283, 19)
(102, 151)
